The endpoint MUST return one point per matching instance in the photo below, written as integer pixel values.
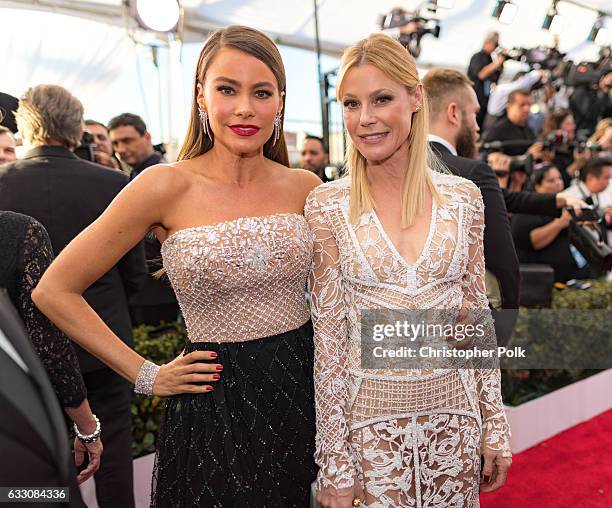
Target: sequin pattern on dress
(241, 279)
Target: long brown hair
(254, 43)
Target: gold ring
(356, 502)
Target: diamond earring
(205, 124)
(277, 125)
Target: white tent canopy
(341, 22)
(87, 45)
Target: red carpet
(570, 470)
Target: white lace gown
(413, 438)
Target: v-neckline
(396, 253)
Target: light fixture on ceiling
(158, 15)
(505, 11)
(553, 21)
(599, 33)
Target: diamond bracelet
(90, 438)
(146, 378)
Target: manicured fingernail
(216, 376)
(213, 355)
(209, 388)
(219, 367)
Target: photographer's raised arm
(133, 212)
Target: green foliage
(519, 386)
(159, 345)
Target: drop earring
(205, 124)
(277, 124)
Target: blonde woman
(396, 235)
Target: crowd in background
(535, 137)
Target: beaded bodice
(241, 279)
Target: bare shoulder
(298, 181)
(161, 182)
(306, 180)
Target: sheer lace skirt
(428, 461)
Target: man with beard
(453, 136)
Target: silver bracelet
(146, 378)
(89, 438)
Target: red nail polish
(219, 367)
(216, 376)
(210, 389)
(213, 355)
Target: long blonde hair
(254, 43)
(393, 59)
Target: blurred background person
(499, 95)
(103, 151)
(156, 301)
(560, 131)
(66, 194)
(35, 451)
(602, 136)
(453, 129)
(484, 72)
(590, 104)
(25, 254)
(7, 145)
(314, 156)
(545, 240)
(594, 180)
(8, 104)
(132, 143)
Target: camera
(522, 163)
(584, 74)
(540, 57)
(86, 148)
(558, 142)
(421, 25)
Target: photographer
(594, 179)
(591, 103)
(559, 135)
(513, 127)
(545, 240)
(484, 72)
(499, 96)
(103, 150)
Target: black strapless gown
(249, 442)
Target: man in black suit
(66, 194)
(453, 136)
(33, 440)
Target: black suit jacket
(499, 251)
(33, 436)
(66, 194)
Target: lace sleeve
(52, 347)
(496, 432)
(332, 453)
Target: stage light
(505, 11)
(158, 15)
(599, 33)
(553, 21)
